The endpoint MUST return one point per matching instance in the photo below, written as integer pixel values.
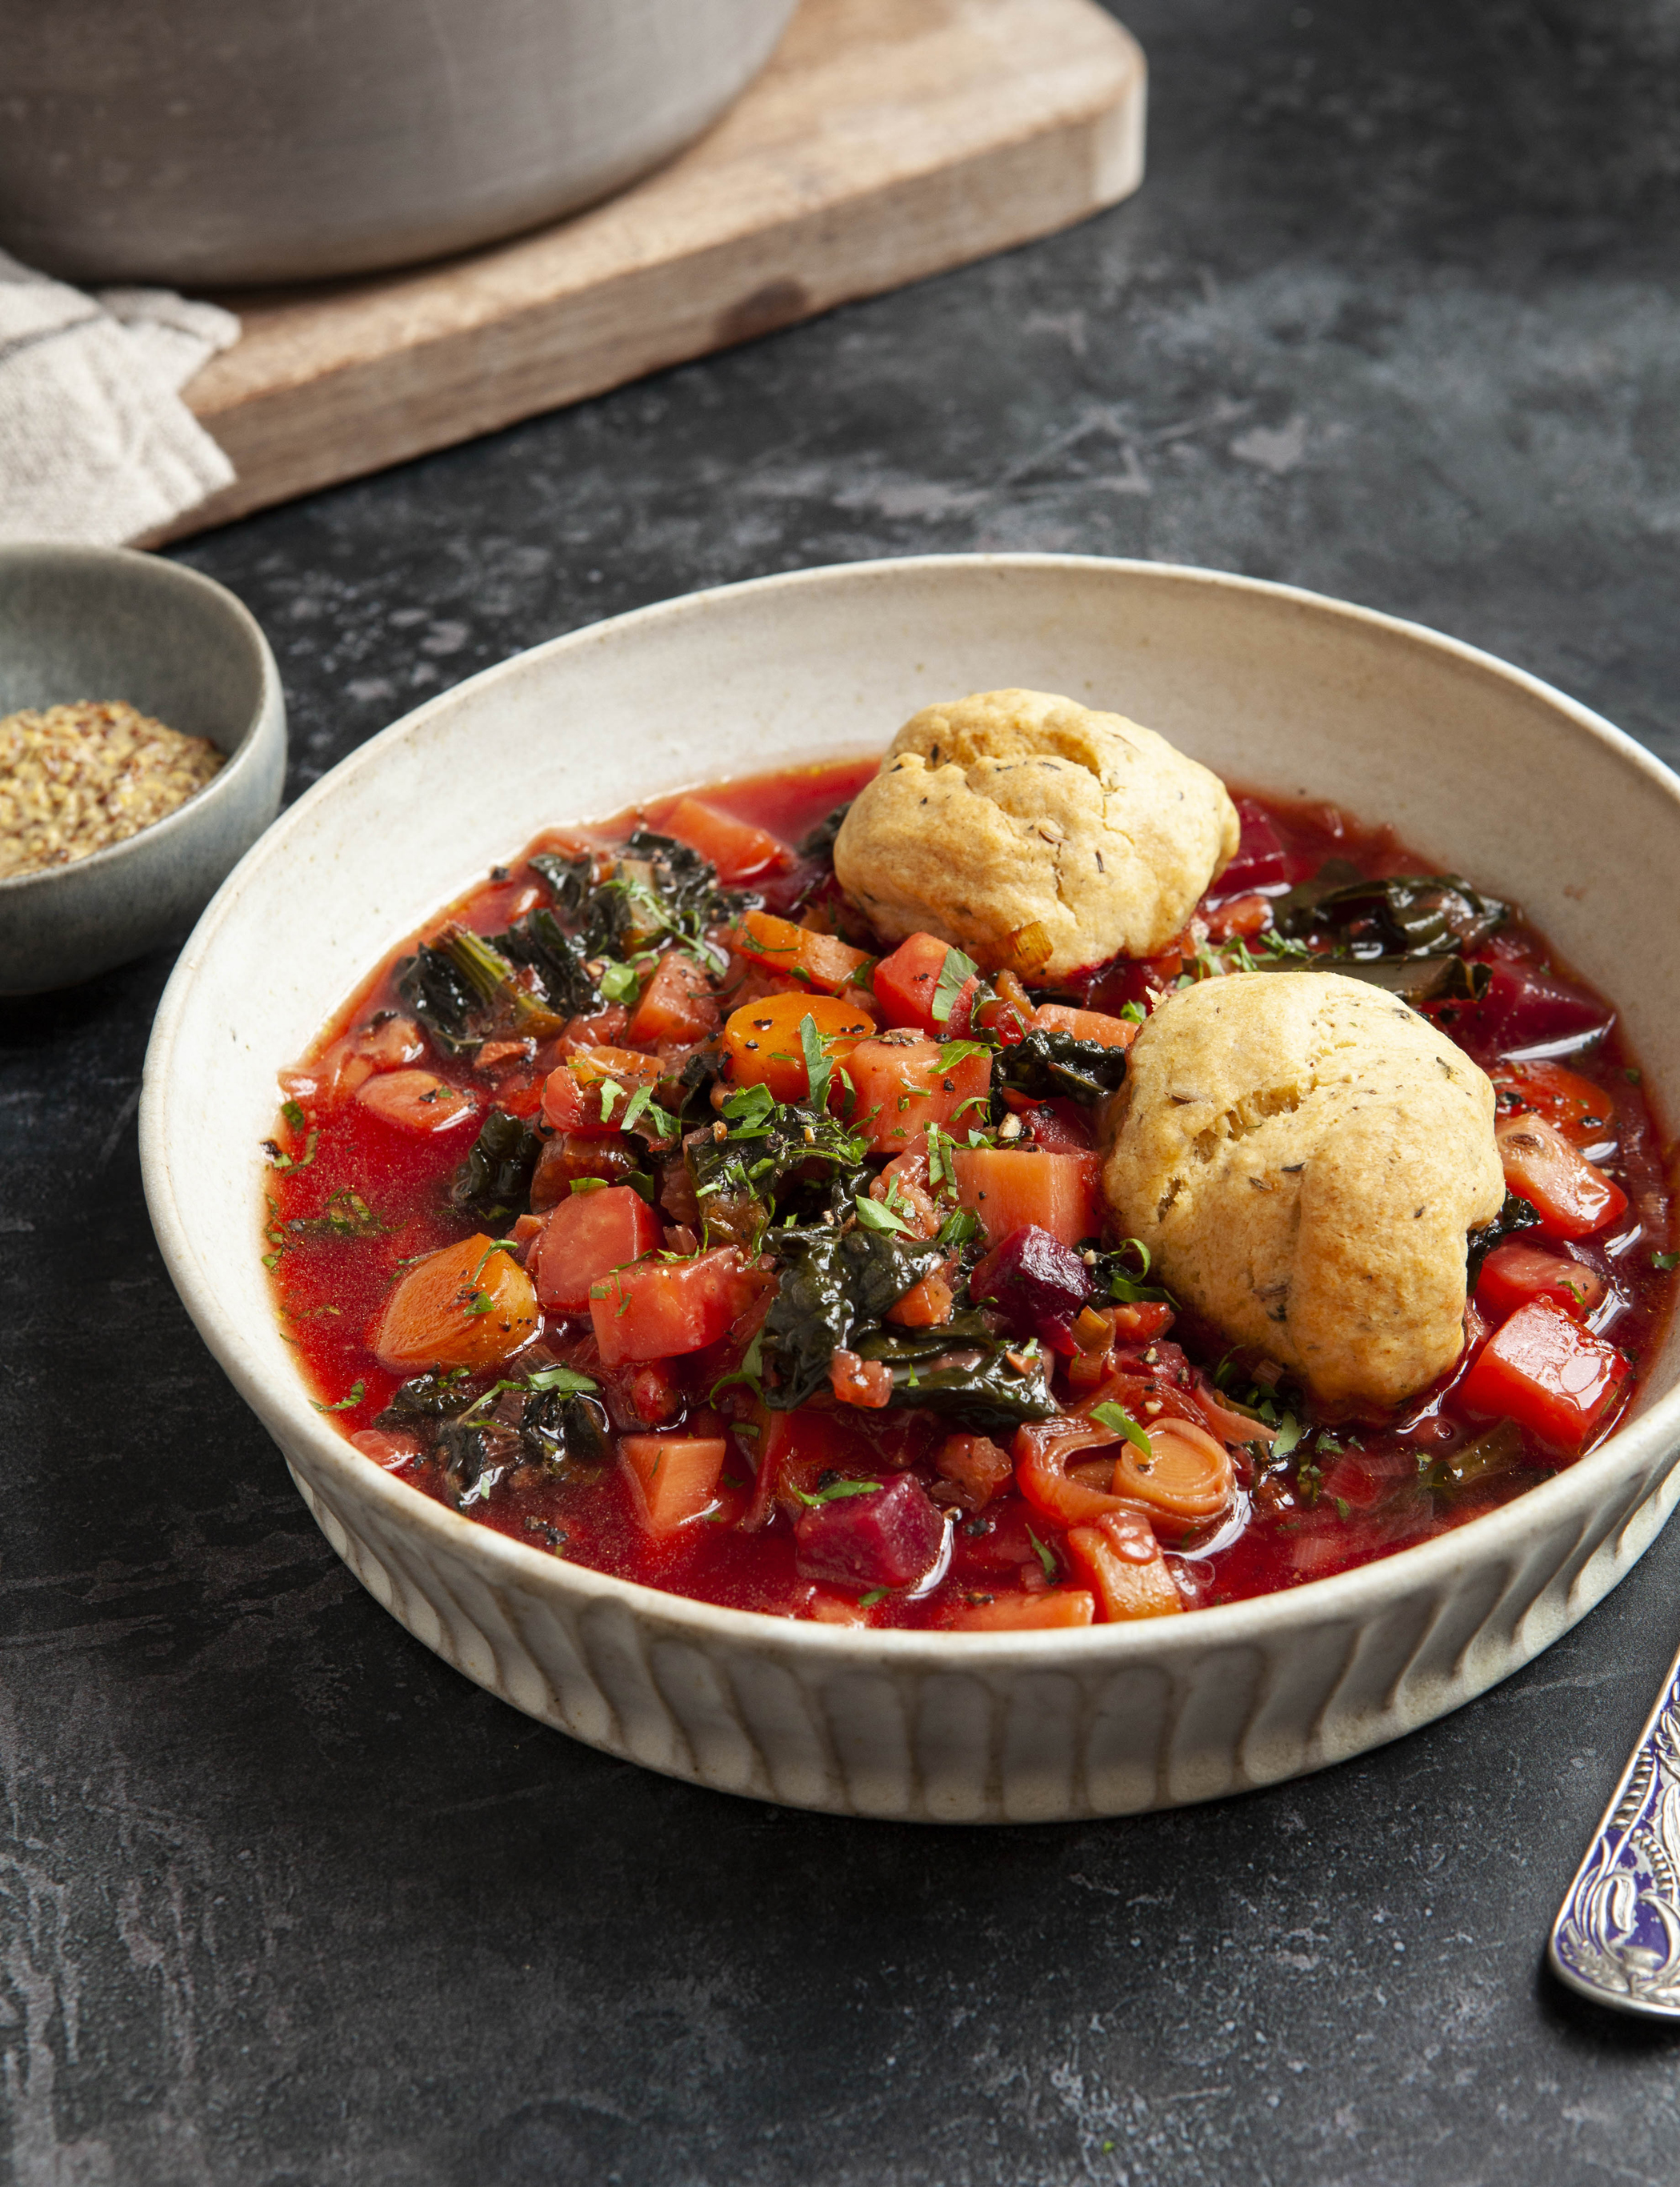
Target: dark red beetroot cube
(1260, 862)
(889, 1538)
(1040, 1283)
(1530, 1013)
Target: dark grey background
(286, 1900)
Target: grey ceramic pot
(204, 142)
(100, 622)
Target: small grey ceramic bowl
(102, 623)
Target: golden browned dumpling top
(1035, 834)
(1304, 1154)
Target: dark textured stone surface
(287, 1901)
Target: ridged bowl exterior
(1276, 688)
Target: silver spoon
(1616, 1938)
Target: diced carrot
(740, 850)
(1514, 1273)
(586, 1238)
(793, 1449)
(976, 1466)
(907, 982)
(1186, 1479)
(899, 1086)
(661, 1309)
(1548, 1375)
(1121, 1560)
(415, 1101)
(603, 1028)
(1571, 1195)
(467, 1305)
(766, 1047)
(1136, 1323)
(1584, 1113)
(1240, 914)
(821, 961)
(578, 1095)
(1056, 1608)
(926, 1304)
(677, 1004)
(856, 1381)
(1086, 1024)
(673, 1478)
(1008, 1186)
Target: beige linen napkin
(96, 445)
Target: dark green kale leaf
(836, 1284)
(763, 1158)
(1415, 979)
(654, 890)
(465, 988)
(436, 991)
(477, 1456)
(493, 1183)
(433, 1397)
(1049, 1062)
(1408, 915)
(555, 1427)
(963, 1372)
(539, 941)
(1515, 1217)
(570, 879)
(820, 842)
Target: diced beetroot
(1035, 1280)
(889, 1537)
(1526, 1013)
(1260, 862)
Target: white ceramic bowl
(1484, 767)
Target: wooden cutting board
(887, 140)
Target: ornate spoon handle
(1616, 1938)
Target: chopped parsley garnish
(834, 1490)
(954, 974)
(1116, 1417)
(817, 1067)
(344, 1404)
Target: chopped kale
(773, 1156)
(555, 1426)
(820, 842)
(836, 1285)
(440, 995)
(540, 941)
(476, 1457)
(961, 1370)
(465, 989)
(1049, 1062)
(1414, 979)
(433, 1397)
(653, 889)
(1515, 1217)
(494, 1181)
(1409, 915)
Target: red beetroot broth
(1368, 1504)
